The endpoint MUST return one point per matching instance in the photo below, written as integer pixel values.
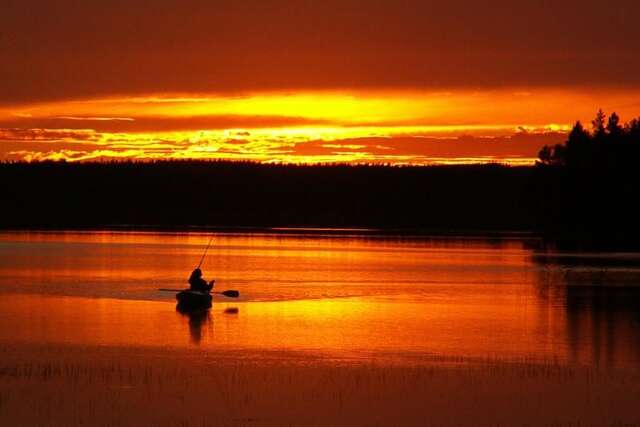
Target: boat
(190, 299)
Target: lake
(447, 328)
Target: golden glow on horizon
(267, 145)
(488, 108)
(275, 127)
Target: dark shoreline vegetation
(582, 193)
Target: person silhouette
(197, 282)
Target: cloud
(74, 50)
(92, 119)
(47, 135)
(519, 148)
(158, 123)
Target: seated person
(197, 283)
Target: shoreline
(303, 230)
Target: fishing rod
(205, 252)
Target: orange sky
(408, 82)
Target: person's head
(197, 273)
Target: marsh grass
(123, 387)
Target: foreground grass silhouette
(127, 387)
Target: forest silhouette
(592, 183)
(609, 145)
(581, 193)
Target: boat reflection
(198, 318)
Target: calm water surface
(400, 300)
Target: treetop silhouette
(609, 144)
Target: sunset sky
(414, 81)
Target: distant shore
(553, 202)
(316, 231)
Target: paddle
(230, 293)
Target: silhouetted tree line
(205, 193)
(588, 186)
(609, 144)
